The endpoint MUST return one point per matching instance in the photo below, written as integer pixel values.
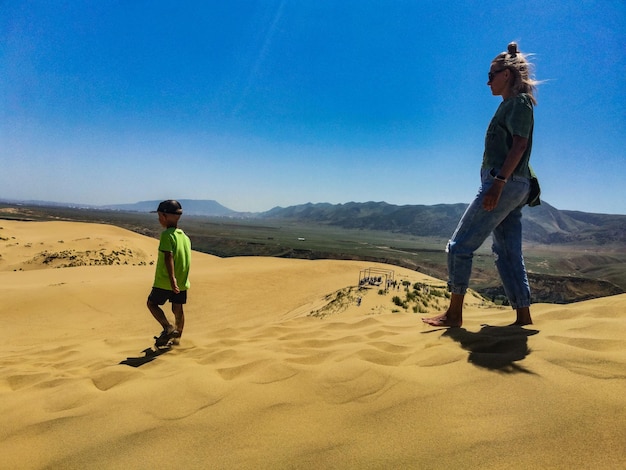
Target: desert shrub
(399, 302)
(438, 293)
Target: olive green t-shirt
(514, 116)
(177, 242)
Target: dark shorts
(160, 296)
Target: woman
(505, 183)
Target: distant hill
(437, 220)
(207, 208)
(542, 224)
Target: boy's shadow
(495, 347)
(149, 355)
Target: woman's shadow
(495, 347)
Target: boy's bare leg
(523, 317)
(453, 316)
(177, 310)
(159, 315)
(179, 315)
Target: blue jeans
(504, 223)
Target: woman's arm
(490, 201)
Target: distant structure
(377, 277)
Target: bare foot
(453, 316)
(443, 320)
(523, 317)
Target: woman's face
(499, 80)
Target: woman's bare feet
(443, 320)
(453, 316)
(523, 317)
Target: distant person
(505, 188)
(171, 279)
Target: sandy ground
(280, 368)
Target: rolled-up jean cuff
(457, 290)
(520, 305)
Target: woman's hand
(492, 196)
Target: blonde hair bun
(521, 69)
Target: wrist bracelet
(500, 178)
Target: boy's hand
(174, 285)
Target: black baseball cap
(170, 206)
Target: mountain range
(542, 224)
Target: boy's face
(168, 220)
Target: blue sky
(270, 103)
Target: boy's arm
(169, 265)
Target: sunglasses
(492, 75)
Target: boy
(171, 279)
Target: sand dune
(280, 368)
